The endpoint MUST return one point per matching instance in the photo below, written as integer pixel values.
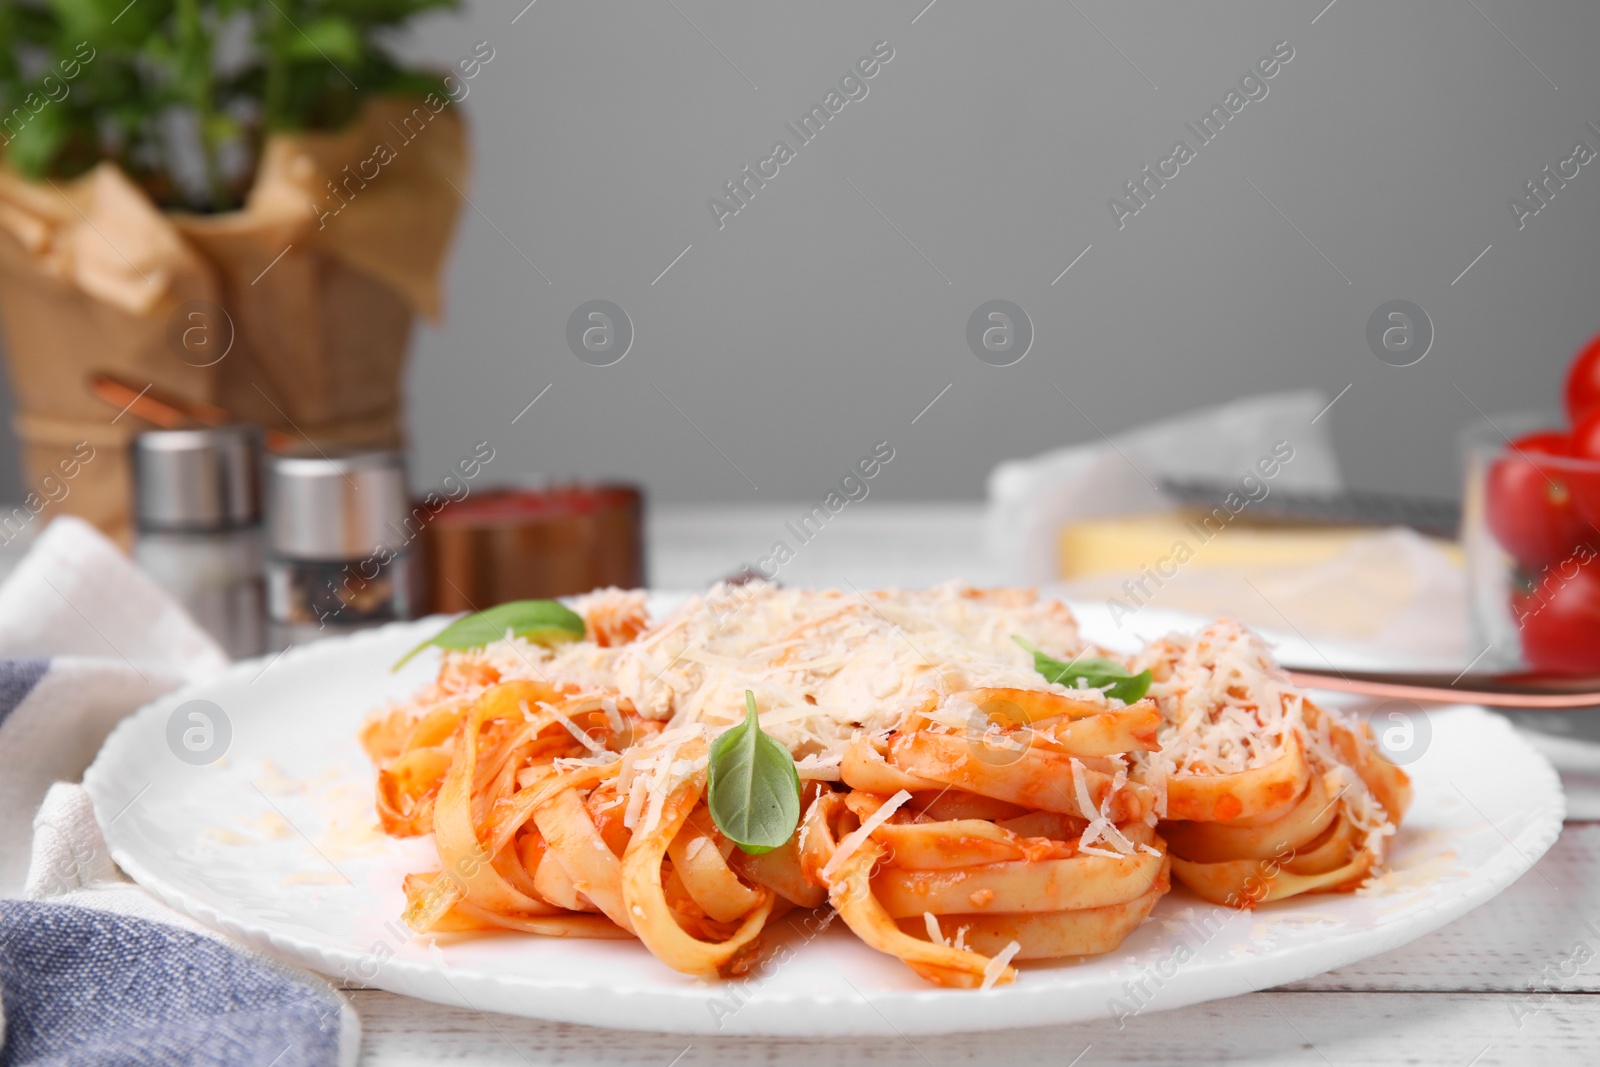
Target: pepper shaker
(340, 553)
(197, 511)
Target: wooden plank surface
(1524, 938)
(1455, 1029)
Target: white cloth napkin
(93, 968)
(113, 641)
(1031, 499)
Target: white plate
(276, 845)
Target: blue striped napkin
(85, 986)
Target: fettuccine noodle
(959, 812)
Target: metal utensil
(1432, 516)
(1529, 691)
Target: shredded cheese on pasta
(823, 665)
(997, 966)
(854, 839)
(1228, 706)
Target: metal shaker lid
(340, 506)
(204, 479)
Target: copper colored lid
(516, 544)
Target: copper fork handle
(1529, 692)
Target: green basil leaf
(754, 787)
(1097, 673)
(544, 622)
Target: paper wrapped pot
(293, 312)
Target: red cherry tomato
(1560, 616)
(1584, 481)
(1530, 504)
(1585, 439)
(1583, 381)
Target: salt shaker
(197, 512)
(339, 544)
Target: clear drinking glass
(1531, 532)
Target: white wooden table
(1502, 985)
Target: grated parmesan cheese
(822, 663)
(1227, 707)
(820, 768)
(650, 773)
(1100, 827)
(854, 838)
(997, 966)
(827, 664)
(572, 728)
(599, 759)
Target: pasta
(1267, 795)
(959, 811)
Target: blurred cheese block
(1127, 543)
(1391, 588)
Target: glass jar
(1531, 531)
(197, 510)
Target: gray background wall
(827, 314)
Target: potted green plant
(242, 203)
